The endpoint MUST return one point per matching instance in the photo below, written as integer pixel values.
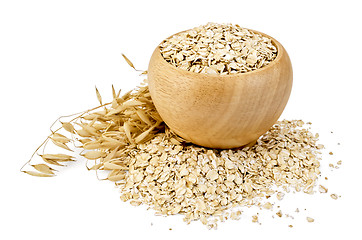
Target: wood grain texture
(216, 111)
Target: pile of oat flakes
(202, 184)
(151, 165)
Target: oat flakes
(218, 49)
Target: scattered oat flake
(280, 195)
(334, 196)
(322, 189)
(268, 205)
(309, 219)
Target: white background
(53, 53)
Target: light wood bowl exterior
(217, 111)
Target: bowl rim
(280, 53)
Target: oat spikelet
(96, 166)
(60, 138)
(44, 168)
(53, 162)
(62, 145)
(99, 97)
(92, 155)
(68, 126)
(114, 92)
(129, 62)
(143, 116)
(127, 129)
(57, 157)
(37, 174)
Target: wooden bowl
(221, 111)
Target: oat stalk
(101, 132)
(80, 114)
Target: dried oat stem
(131, 119)
(36, 150)
(52, 132)
(79, 113)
